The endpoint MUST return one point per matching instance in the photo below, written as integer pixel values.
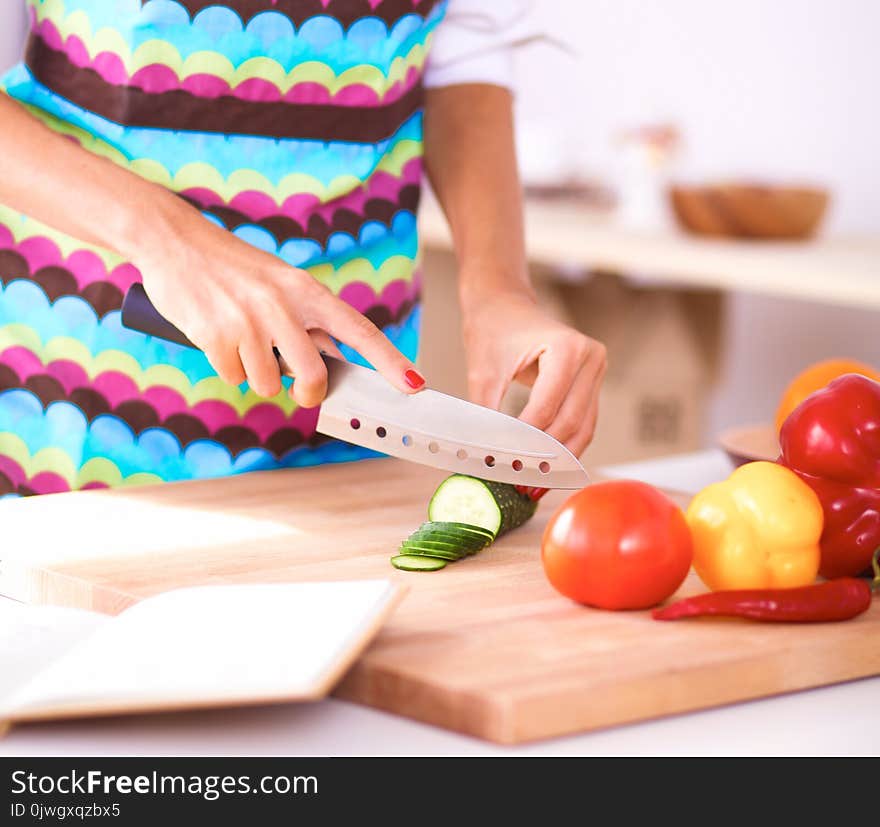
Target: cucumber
(440, 545)
(465, 515)
(443, 525)
(452, 539)
(409, 562)
(472, 542)
(442, 554)
(494, 506)
(458, 529)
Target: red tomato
(617, 545)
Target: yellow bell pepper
(758, 529)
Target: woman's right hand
(235, 302)
(232, 300)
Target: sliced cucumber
(411, 562)
(465, 515)
(457, 528)
(440, 545)
(471, 542)
(430, 542)
(442, 554)
(494, 506)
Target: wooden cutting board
(484, 647)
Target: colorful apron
(295, 124)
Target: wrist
(152, 217)
(482, 282)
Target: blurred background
(703, 333)
(757, 112)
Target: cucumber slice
(443, 553)
(460, 543)
(494, 506)
(469, 534)
(410, 562)
(443, 544)
(440, 545)
(457, 528)
(469, 541)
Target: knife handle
(139, 313)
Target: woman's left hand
(509, 338)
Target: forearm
(57, 182)
(471, 163)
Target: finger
(487, 388)
(578, 438)
(226, 363)
(557, 371)
(324, 343)
(569, 418)
(260, 364)
(582, 440)
(300, 351)
(355, 329)
(572, 425)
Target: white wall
(782, 88)
(787, 87)
(12, 24)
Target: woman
(257, 165)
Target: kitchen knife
(427, 427)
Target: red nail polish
(414, 379)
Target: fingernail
(414, 379)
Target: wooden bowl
(749, 210)
(750, 443)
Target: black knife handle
(139, 314)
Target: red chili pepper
(533, 494)
(839, 599)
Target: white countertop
(836, 720)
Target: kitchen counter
(838, 720)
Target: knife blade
(428, 427)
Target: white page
(31, 637)
(210, 644)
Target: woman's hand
(232, 300)
(509, 338)
(470, 157)
(235, 302)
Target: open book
(194, 647)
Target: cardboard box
(663, 348)
(662, 344)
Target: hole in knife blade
(544, 467)
(490, 461)
(433, 447)
(355, 424)
(517, 465)
(461, 453)
(407, 440)
(381, 432)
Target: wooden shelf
(840, 271)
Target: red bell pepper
(832, 442)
